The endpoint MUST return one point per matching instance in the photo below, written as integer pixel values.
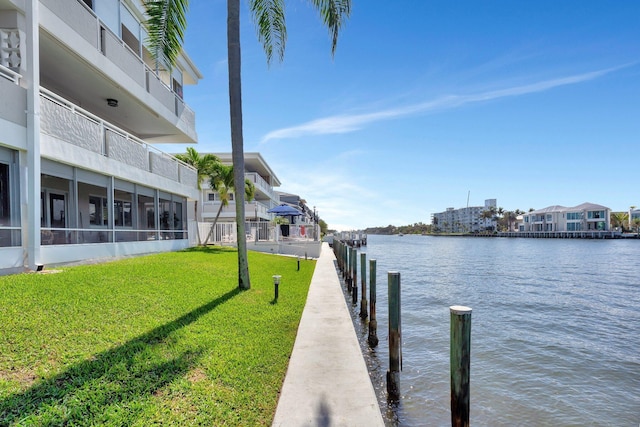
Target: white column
(32, 226)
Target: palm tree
(205, 165)
(222, 181)
(268, 15)
(166, 26)
(618, 219)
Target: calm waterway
(555, 329)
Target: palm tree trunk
(215, 221)
(237, 149)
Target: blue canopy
(285, 210)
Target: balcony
(73, 125)
(13, 102)
(89, 62)
(261, 185)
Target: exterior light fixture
(276, 282)
(112, 102)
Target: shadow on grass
(210, 249)
(112, 384)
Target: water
(555, 329)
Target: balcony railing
(91, 28)
(260, 183)
(72, 124)
(10, 75)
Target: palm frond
(334, 13)
(204, 164)
(269, 18)
(166, 24)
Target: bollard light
(276, 282)
(298, 263)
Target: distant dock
(564, 234)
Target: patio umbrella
(285, 210)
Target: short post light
(276, 283)
(298, 263)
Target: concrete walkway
(327, 383)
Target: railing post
(460, 359)
(363, 281)
(395, 336)
(373, 323)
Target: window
(595, 214)
(5, 215)
(573, 216)
(122, 208)
(146, 213)
(93, 207)
(122, 213)
(9, 213)
(211, 197)
(574, 226)
(98, 211)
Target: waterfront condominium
(256, 170)
(464, 220)
(81, 100)
(584, 217)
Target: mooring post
(395, 336)
(354, 272)
(347, 267)
(373, 323)
(363, 281)
(345, 273)
(460, 355)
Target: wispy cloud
(345, 123)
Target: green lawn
(162, 339)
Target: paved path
(327, 383)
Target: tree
(619, 219)
(323, 228)
(221, 181)
(205, 165)
(166, 26)
(488, 214)
(269, 18)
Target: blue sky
(534, 103)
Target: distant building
(584, 217)
(256, 170)
(633, 214)
(464, 220)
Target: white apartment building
(81, 101)
(464, 220)
(584, 217)
(256, 170)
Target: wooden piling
(373, 323)
(354, 278)
(347, 267)
(460, 359)
(363, 281)
(395, 336)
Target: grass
(163, 339)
